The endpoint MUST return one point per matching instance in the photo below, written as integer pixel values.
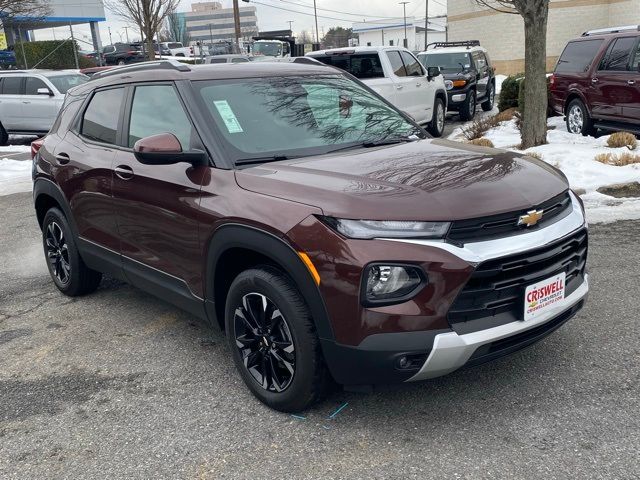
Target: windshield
(271, 118)
(65, 82)
(272, 49)
(446, 61)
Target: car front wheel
(468, 109)
(578, 119)
(273, 341)
(436, 126)
(487, 105)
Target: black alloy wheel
(58, 253)
(265, 343)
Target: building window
(391, 43)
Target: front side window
(578, 56)
(32, 84)
(619, 55)
(364, 65)
(397, 65)
(64, 82)
(12, 85)
(268, 118)
(100, 120)
(157, 109)
(412, 65)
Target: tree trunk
(152, 52)
(534, 122)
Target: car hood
(422, 180)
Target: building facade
(503, 34)
(391, 33)
(208, 23)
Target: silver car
(30, 99)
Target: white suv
(30, 99)
(396, 75)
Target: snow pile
(574, 155)
(16, 149)
(15, 176)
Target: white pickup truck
(396, 75)
(177, 49)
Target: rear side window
(578, 56)
(365, 65)
(397, 65)
(11, 85)
(480, 61)
(157, 109)
(100, 120)
(619, 55)
(218, 60)
(413, 67)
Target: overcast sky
(330, 13)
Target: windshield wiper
(378, 143)
(270, 158)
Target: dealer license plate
(542, 296)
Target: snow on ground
(15, 149)
(15, 176)
(574, 155)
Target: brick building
(503, 34)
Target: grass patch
(506, 115)
(622, 139)
(534, 155)
(481, 142)
(620, 160)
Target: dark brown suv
(294, 208)
(596, 83)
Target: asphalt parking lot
(119, 384)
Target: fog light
(411, 362)
(390, 284)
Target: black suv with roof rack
(468, 73)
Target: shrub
(509, 92)
(623, 139)
(534, 155)
(620, 160)
(481, 142)
(506, 115)
(61, 58)
(479, 127)
(521, 104)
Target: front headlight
(368, 229)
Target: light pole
(404, 9)
(315, 13)
(110, 39)
(126, 31)
(426, 24)
(290, 22)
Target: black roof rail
(138, 67)
(465, 43)
(604, 31)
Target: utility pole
(290, 22)
(236, 21)
(110, 39)
(75, 48)
(126, 31)
(404, 8)
(426, 25)
(315, 13)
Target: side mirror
(165, 149)
(433, 72)
(44, 91)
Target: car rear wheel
(468, 109)
(436, 126)
(487, 105)
(4, 136)
(273, 340)
(578, 119)
(68, 271)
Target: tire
(301, 378)
(68, 272)
(4, 137)
(487, 105)
(578, 120)
(121, 62)
(436, 126)
(468, 109)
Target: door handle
(631, 82)
(399, 87)
(62, 158)
(594, 80)
(125, 172)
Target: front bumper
(457, 98)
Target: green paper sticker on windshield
(228, 117)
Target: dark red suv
(596, 83)
(294, 208)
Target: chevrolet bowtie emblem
(531, 218)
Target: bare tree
(535, 14)
(304, 37)
(27, 8)
(148, 15)
(177, 29)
